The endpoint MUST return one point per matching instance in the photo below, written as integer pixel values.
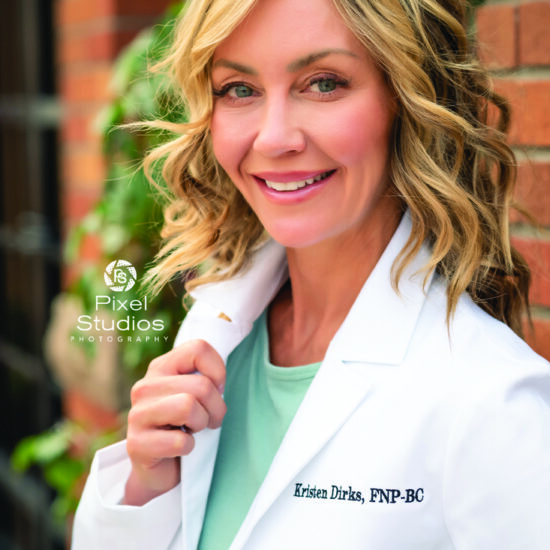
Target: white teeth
(293, 185)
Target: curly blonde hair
(452, 169)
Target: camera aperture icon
(120, 275)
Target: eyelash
(340, 83)
(223, 91)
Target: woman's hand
(171, 395)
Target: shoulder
(498, 443)
(474, 342)
(477, 367)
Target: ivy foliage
(127, 219)
(53, 452)
(125, 223)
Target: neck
(325, 280)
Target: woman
(374, 396)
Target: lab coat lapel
(373, 338)
(315, 423)
(240, 299)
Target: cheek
(222, 143)
(360, 132)
(229, 141)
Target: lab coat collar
(243, 298)
(380, 324)
(377, 329)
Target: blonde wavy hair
(452, 169)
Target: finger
(149, 447)
(161, 386)
(200, 386)
(189, 357)
(174, 410)
(179, 409)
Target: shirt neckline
(299, 372)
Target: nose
(279, 132)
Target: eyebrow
(237, 66)
(312, 57)
(300, 63)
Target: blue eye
(325, 85)
(240, 91)
(235, 90)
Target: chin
(297, 235)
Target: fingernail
(221, 387)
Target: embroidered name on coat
(374, 495)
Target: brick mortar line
(498, 3)
(80, 108)
(540, 312)
(84, 29)
(524, 231)
(531, 154)
(79, 67)
(74, 193)
(92, 147)
(526, 73)
(114, 23)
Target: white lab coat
(409, 437)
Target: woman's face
(302, 121)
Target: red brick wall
(515, 41)
(90, 34)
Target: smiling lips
(295, 183)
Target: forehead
(288, 28)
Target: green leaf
(41, 449)
(110, 117)
(114, 238)
(73, 243)
(131, 62)
(63, 473)
(92, 222)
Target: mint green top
(262, 400)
